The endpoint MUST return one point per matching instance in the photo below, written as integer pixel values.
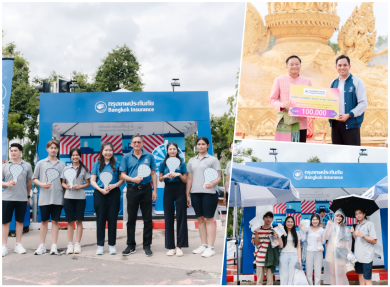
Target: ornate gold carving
(357, 37)
(303, 28)
(258, 36)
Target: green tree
(219, 133)
(190, 146)
(334, 46)
(229, 226)
(382, 40)
(314, 159)
(22, 116)
(228, 124)
(240, 153)
(119, 69)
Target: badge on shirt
(146, 160)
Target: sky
(298, 152)
(344, 11)
(199, 43)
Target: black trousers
(342, 136)
(107, 209)
(175, 192)
(139, 198)
(302, 136)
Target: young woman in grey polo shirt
(75, 199)
(204, 200)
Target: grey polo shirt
(364, 251)
(196, 166)
(228, 169)
(55, 194)
(18, 192)
(81, 179)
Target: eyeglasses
(136, 142)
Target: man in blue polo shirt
(352, 104)
(139, 193)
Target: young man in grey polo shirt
(51, 197)
(365, 239)
(16, 196)
(139, 193)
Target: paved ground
(88, 268)
(383, 282)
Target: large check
(314, 102)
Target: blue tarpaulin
(379, 192)
(258, 186)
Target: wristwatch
(28, 196)
(363, 236)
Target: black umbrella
(350, 203)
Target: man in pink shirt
(280, 96)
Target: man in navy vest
(352, 104)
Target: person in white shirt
(315, 239)
(290, 254)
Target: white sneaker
(179, 252)
(199, 250)
(171, 252)
(41, 249)
(112, 250)
(53, 250)
(5, 250)
(77, 249)
(208, 252)
(99, 251)
(19, 249)
(70, 249)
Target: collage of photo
(195, 143)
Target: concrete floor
(88, 268)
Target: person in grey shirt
(75, 201)
(51, 196)
(16, 195)
(228, 171)
(204, 199)
(365, 239)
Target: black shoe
(129, 250)
(148, 251)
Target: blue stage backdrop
(130, 107)
(8, 67)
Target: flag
(89, 159)
(116, 142)
(69, 142)
(350, 220)
(280, 208)
(296, 216)
(308, 206)
(152, 141)
(8, 68)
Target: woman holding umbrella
(338, 249)
(364, 235)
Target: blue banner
(323, 175)
(8, 67)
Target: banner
(8, 67)
(314, 102)
(323, 175)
